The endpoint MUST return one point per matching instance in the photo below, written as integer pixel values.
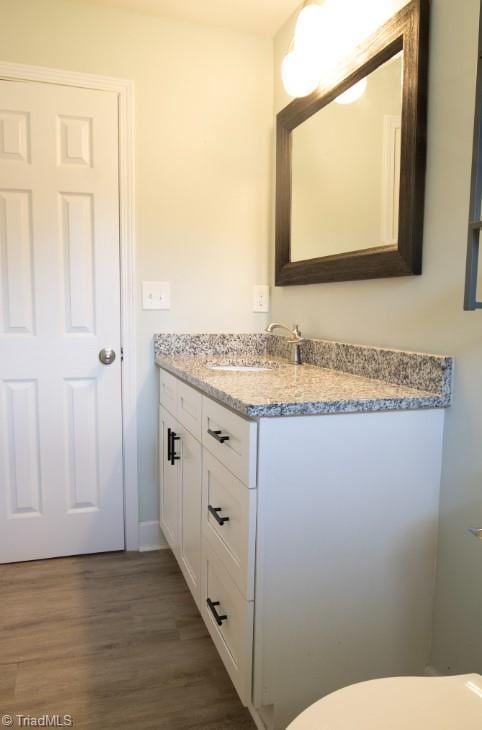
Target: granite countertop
(288, 390)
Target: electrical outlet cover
(261, 298)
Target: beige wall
(425, 313)
(203, 145)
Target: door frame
(125, 91)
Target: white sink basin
(243, 367)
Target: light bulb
(353, 93)
(300, 73)
(309, 29)
(349, 22)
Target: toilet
(399, 703)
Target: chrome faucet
(295, 339)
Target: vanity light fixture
(301, 68)
(300, 74)
(352, 94)
(326, 31)
(313, 53)
(309, 26)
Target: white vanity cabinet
(309, 542)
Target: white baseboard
(151, 537)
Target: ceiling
(252, 16)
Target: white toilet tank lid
(399, 703)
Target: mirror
(351, 163)
(346, 169)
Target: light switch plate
(261, 298)
(156, 295)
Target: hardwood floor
(114, 640)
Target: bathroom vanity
(301, 503)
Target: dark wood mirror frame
(408, 30)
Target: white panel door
(61, 480)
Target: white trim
(125, 91)
(391, 152)
(151, 537)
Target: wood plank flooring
(114, 640)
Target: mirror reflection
(346, 169)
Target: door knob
(107, 356)
(476, 531)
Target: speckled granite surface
(178, 344)
(336, 377)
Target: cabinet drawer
(231, 439)
(233, 632)
(229, 522)
(168, 391)
(189, 408)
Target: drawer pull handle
(212, 607)
(214, 511)
(173, 456)
(217, 435)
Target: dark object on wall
(475, 213)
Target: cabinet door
(190, 511)
(169, 476)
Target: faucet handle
(298, 341)
(296, 332)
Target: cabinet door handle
(174, 457)
(214, 511)
(169, 444)
(217, 435)
(212, 607)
